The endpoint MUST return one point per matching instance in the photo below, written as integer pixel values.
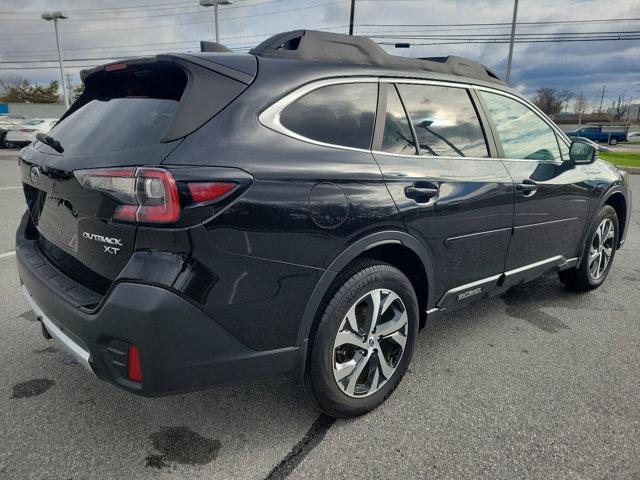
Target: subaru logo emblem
(35, 175)
(371, 342)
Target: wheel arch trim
(612, 189)
(352, 252)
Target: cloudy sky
(98, 30)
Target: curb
(630, 170)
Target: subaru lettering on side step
(305, 208)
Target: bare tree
(581, 105)
(11, 83)
(621, 107)
(552, 100)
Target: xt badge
(113, 243)
(111, 250)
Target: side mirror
(582, 153)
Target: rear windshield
(121, 110)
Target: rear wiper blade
(52, 142)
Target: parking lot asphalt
(538, 383)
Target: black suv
(304, 208)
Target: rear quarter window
(341, 114)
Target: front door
(551, 193)
(453, 197)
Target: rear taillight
(147, 194)
(153, 195)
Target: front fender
(617, 187)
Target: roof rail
(312, 45)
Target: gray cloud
(579, 66)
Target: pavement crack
(310, 441)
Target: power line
(526, 35)
(197, 11)
(163, 6)
(504, 40)
(453, 37)
(158, 43)
(561, 22)
(69, 32)
(454, 42)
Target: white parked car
(26, 133)
(10, 122)
(633, 137)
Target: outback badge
(113, 243)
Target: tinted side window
(397, 136)
(522, 132)
(445, 121)
(340, 114)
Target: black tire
(359, 279)
(579, 279)
(613, 141)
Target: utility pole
(214, 4)
(602, 100)
(580, 107)
(513, 38)
(353, 13)
(55, 16)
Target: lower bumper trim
(71, 347)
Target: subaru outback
(305, 208)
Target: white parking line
(8, 254)
(10, 188)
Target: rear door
(551, 193)
(454, 197)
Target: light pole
(352, 16)
(513, 37)
(55, 16)
(214, 4)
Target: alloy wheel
(601, 249)
(370, 343)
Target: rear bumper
(181, 348)
(56, 332)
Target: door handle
(422, 192)
(527, 187)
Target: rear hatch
(131, 114)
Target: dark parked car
(305, 208)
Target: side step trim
(496, 285)
(71, 347)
